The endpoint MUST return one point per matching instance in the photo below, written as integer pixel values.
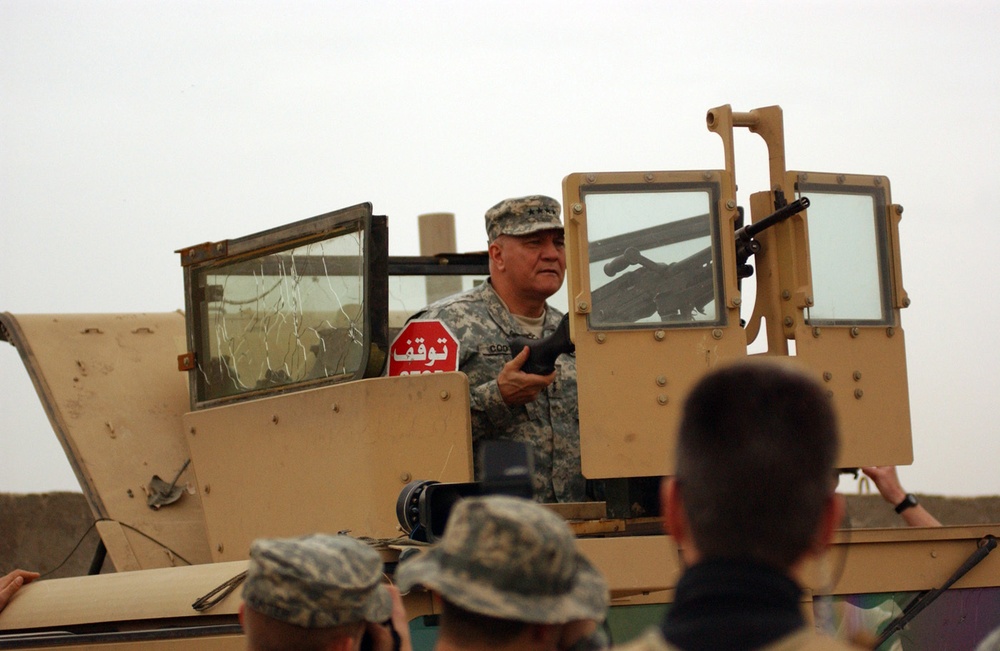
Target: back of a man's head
(755, 463)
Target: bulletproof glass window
(288, 308)
(849, 255)
(653, 257)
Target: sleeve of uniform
(489, 411)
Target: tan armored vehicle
(263, 409)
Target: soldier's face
(535, 263)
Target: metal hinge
(186, 362)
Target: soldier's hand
(12, 582)
(518, 387)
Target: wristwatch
(907, 502)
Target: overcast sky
(131, 129)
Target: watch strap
(908, 501)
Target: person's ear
(833, 515)
(496, 254)
(672, 509)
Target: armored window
(653, 256)
(849, 254)
(289, 308)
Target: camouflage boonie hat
(509, 558)
(316, 581)
(523, 215)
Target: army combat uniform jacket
(550, 424)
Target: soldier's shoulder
(471, 300)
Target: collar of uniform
(502, 315)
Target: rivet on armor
(445, 395)
(857, 376)
(600, 337)
(659, 335)
(827, 376)
(717, 333)
(858, 393)
(662, 399)
(661, 380)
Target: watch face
(907, 502)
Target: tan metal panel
(328, 459)
(629, 412)
(618, 559)
(902, 560)
(163, 593)
(865, 370)
(236, 642)
(632, 381)
(110, 386)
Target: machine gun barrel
(778, 216)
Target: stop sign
(423, 347)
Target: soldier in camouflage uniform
(527, 266)
(509, 576)
(318, 592)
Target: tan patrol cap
(522, 216)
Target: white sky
(129, 129)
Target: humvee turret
(262, 410)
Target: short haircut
(755, 462)
(466, 628)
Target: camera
(423, 506)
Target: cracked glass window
(283, 318)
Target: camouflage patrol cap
(509, 558)
(523, 215)
(316, 581)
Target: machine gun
(676, 290)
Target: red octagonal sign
(423, 347)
